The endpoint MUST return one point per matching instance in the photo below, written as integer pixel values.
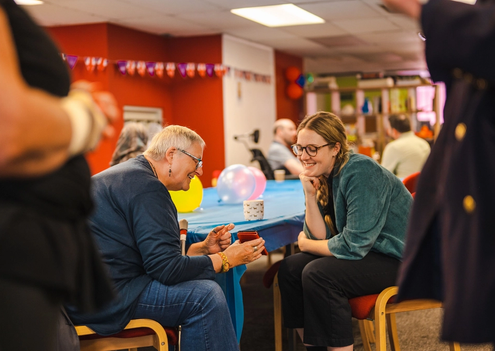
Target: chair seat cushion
(134, 333)
(361, 306)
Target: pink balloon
(260, 182)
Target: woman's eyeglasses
(199, 161)
(311, 149)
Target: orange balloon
(294, 91)
(292, 73)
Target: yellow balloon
(188, 201)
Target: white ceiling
(358, 36)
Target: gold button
(481, 84)
(460, 130)
(469, 204)
(457, 73)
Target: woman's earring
(170, 170)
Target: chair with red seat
(380, 308)
(410, 182)
(138, 333)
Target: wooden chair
(382, 309)
(138, 333)
(378, 307)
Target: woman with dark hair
(355, 224)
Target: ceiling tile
(340, 10)
(366, 25)
(315, 30)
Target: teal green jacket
(371, 211)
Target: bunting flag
(182, 69)
(131, 67)
(141, 68)
(191, 69)
(150, 66)
(122, 66)
(210, 68)
(159, 69)
(101, 63)
(71, 60)
(219, 70)
(170, 69)
(201, 69)
(90, 63)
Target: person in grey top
(279, 155)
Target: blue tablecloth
(283, 220)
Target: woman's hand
(218, 239)
(244, 253)
(315, 247)
(310, 184)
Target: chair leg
(277, 314)
(364, 326)
(392, 332)
(371, 332)
(454, 346)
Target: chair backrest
(410, 182)
(264, 165)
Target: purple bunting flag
(182, 69)
(71, 60)
(210, 69)
(122, 66)
(151, 68)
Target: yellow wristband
(225, 262)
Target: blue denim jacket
(371, 211)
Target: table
(282, 223)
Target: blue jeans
(199, 306)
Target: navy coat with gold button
(450, 247)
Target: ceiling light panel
(278, 15)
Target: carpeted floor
(418, 331)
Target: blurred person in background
(407, 153)
(451, 236)
(133, 141)
(47, 255)
(279, 154)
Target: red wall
(193, 102)
(287, 107)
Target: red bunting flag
(219, 70)
(101, 63)
(159, 69)
(131, 67)
(201, 69)
(170, 69)
(190, 69)
(141, 68)
(90, 63)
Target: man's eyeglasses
(311, 149)
(199, 161)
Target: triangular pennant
(182, 69)
(159, 69)
(190, 69)
(71, 60)
(122, 66)
(150, 66)
(101, 63)
(219, 69)
(248, 76)
(210, 68)
(131, 67)
(201, 69)
(141, 68)
(90, 63)
(171, 69)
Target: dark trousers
(315, 292)
(28, 317)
